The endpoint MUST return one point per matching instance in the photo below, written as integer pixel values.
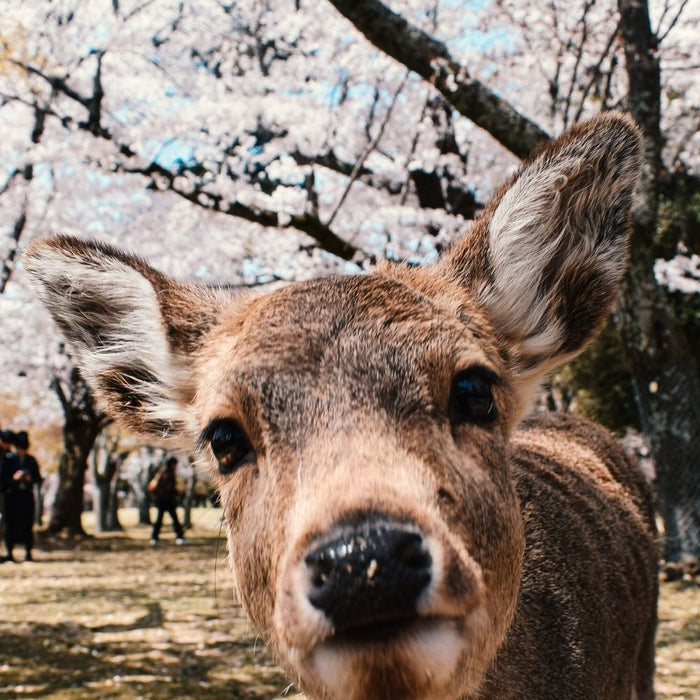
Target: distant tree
(83, 422)
(155, 457)
(106, 459)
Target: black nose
(370, 574)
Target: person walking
(163, 489)
(20, 477)
(9, 464)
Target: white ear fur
(110, 307)
(525, 234)
(556, 242)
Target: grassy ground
(112, 617)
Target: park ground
(112, 617)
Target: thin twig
(596, 72)
(15, 172)
(368, 149)
(579, 56)
(414, 144)
(661, 37)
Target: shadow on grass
(64, 660)
(112, 617)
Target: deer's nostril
(321, 569)
(411, 552)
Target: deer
(400, 523)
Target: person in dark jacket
(163, 489)
(19, 477)
(9, 464)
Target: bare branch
(58, 388)
(57, 83)
(368, 149)
(414, 145)
(596, 71)
(95, 102)
(7, 263)
(332, 162)
(306, 223)
(431, 60)
(10, 179)
(577, 61)
(672, 23)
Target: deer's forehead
(345, 335)
(314, 324)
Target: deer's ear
(132, 328)
(546, 259)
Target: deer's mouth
(387, 631)
(403, 657)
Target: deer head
(358, 426)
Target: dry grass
(112, 617)
(678, 641)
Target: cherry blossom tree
(261, 141)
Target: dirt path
(116, 618)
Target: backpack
(154, 483)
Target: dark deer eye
(229, 443)
(471, 399)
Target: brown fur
(350, 432)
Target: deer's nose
(370, 575)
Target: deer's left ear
(133, 329)
(545, 261)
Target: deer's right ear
(545, 261)
(132, 328)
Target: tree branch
(368, 149)
(10, 179)
(596, 71)
(644, 75)
(431, 60)
(577, 62)
(672, 23)
(330, 161)
(306, 223)
(7, 263)
(56, 386)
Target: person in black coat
(163, 489)
(20, 474)
(9, 463)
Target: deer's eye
(229, 443)
(471, 398)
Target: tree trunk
(68, 506)
(664, 369)
(667, 386)
(83, 423)
(112, 522)
(105, 503)
(189, 497)
(144, 500)
(104, 468)
(155, 459)
(39, 500)
(100, 503)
